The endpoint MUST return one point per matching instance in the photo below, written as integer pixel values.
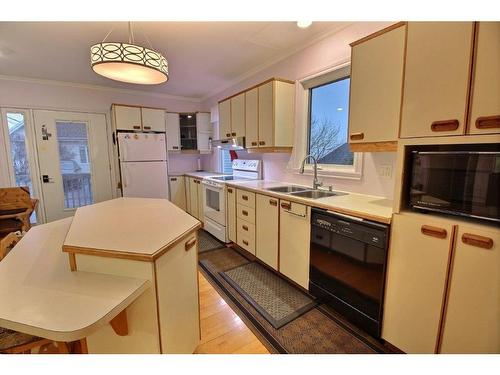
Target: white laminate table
(39, 295)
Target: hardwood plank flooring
(222, 331)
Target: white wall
(320, 56)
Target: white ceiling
(204, 57)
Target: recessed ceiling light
(340, 109)
(189, 116)
(304, 24)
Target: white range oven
(214, 195)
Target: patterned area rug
(276, 299)
(315, 331)
(207, 241)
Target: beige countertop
(39, 295)
(365, 206)
(129, 228)
(200, 174)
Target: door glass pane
(18, 152)
(74, 163)
(213, 199)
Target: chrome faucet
(316, 182)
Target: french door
(73, 158)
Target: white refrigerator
(143, 165)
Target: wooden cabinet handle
(136, 127)
(189, 244)
(445, 125)
(254, 143)
(245, 213)
(272, 202)
(488, 122)
(244, 197)
(173, 178)
(175, 147)
(147, 127)
(233, 134)
(245, 242)
(262, 143)
(478, 241)
(286, 205)
(230, 191)
(433, 231)
(356, 136)
(228, 134)
(245, 227)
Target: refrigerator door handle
(125, 172)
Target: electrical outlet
(385, 171)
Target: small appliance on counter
(214, 195)
(143, 165)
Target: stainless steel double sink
(300, 191)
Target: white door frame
(5, 174)
(31, 150)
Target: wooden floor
(222, 331)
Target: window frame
(325, 77)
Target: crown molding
(97, 87)
(261, 67)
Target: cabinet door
(231, 214)
(153, 119)
(472, 321)
(203, 122)
(375, 91)
(127, 118)
(252, 118)
(201, 201)
(294, 234)
(177, 293)
(436, 82)
(266, 115)
(178, 191)
(225, 119)
(267, 230)
(238, 115)
(193, 197)
(173, 132)
(283, 114)
(485, 106)
(415, 282)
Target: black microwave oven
(463, 183)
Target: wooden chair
(16, 207)
(12, 342)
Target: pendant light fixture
(129, 62)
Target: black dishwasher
(347, 266)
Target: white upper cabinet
(376, 88)
(203, 131)
(436, 80)
(238, 115)
(225, 119)
(153, 119)
(138, 118)
(127, 118)
(252, 118)
(173, 132)
(485, 103)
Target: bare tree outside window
(329, 108)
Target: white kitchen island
(130, 285)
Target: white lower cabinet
(415, 282)
(472, 319)
(294, 240)
(267, 230)
(231, 214)
(178, 191)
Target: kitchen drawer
(245, 213)
(246, 241)
(246, 227)
(245, 198)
